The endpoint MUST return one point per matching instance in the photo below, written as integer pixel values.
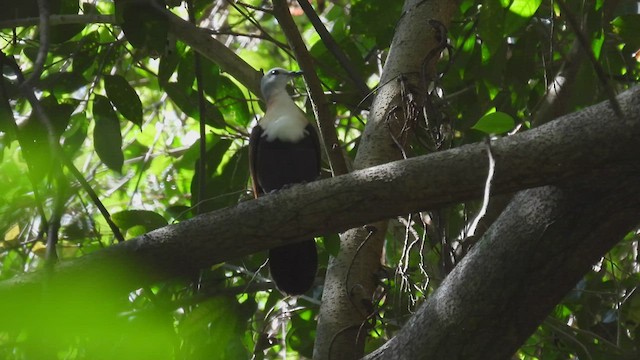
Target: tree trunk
(351, 280)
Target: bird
(284, 150)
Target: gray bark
(543, 243)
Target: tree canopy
(478, 197)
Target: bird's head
(275, 81)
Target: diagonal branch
(316, 94)
(559, 151)
(334, 48)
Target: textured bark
(543, 243)
(350, 280)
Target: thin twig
(334, 48)
(202, 164)
(487, 191)
(60, 20)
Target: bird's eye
(275, 72)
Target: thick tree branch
(539, 248)
(565, 149)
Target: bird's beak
(296, 73)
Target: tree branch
(316, 94)
(59, 20)
(559, 151)
(535, 253)
(212, 49)
(343, 309)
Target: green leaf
(124, 98)
(35, 147)
(75, 135)
(63, 82)
(216, 185)
(628, 28)
(180, 212)
(61, 33)
(143, 26)
(34, 136)
(331, 244)
(231, 101)
(491, 27)
(186, 70)
(519, 14)
(149, 220)
(495, 123)
(214, 329)
(187, 100)
(169, 62)
(375, 19)
(524, 8)
(106, 134)
(84, 57)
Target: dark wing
(254, 139)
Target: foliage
(122, 101)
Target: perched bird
(284, 150)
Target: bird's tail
(293, 267)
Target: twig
(202, 164)
(333, 47)
(43, 49)
(60, 20)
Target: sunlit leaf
(495, 123)
(519, 14)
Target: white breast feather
(284, 121)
